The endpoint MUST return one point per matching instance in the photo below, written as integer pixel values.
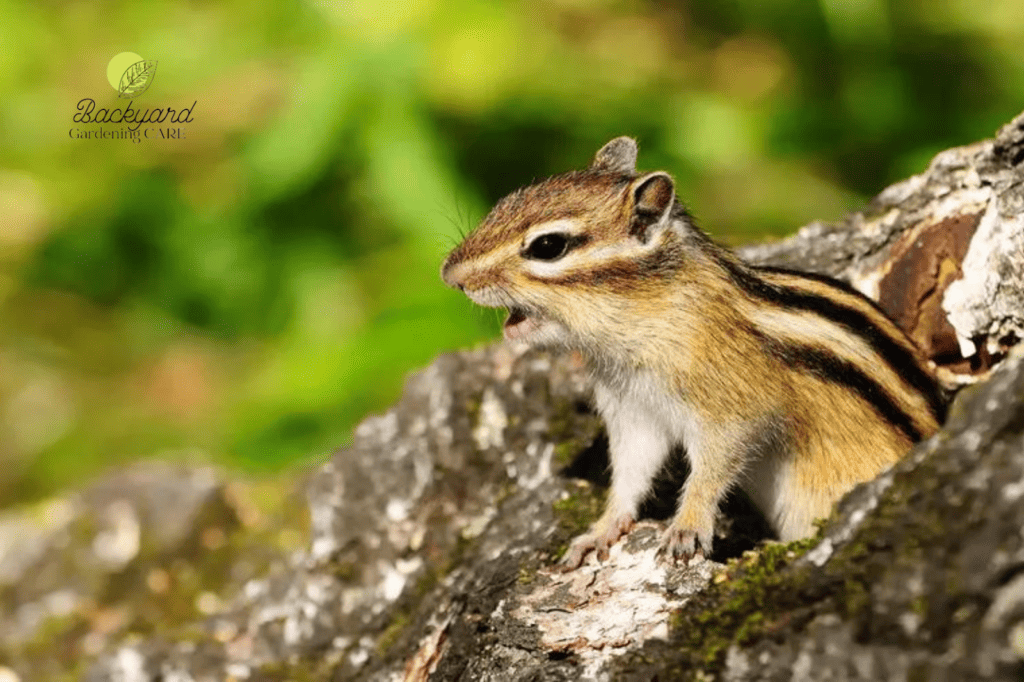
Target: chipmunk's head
(578, 247)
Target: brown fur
(589, 195)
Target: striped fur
(791, 385)
(835, 302)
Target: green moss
(565, 452)
(345, 571)
(55, 649)
(579, 509)
(575, 513)
(739, 606)
(472, 406)
(762, 595)
(290, 672)
(527, 574)
(572, 431)
(392, 632)
(856, 598)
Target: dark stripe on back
(833, 369)
(898, 358)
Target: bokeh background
(245, 294)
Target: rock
(136, 551)
(428, 548)
(438, 505)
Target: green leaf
(136, 78)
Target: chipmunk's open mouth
(519, 323)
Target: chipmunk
(792, 386)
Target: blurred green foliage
(247, 293)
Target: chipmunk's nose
(450, 274)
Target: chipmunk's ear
(653, 195)
(618, 156)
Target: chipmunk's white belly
(641, 404)
(644, 423)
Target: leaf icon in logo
(136, 78)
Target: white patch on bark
(988, 301)
(604, 608)
(490, 428)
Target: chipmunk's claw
(679, 545)
(598, 539)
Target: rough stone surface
(432, 541)
(428, 549)
(138, 550)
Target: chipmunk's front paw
(682, 544)
(598, 539)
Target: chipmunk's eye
(551, 246)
